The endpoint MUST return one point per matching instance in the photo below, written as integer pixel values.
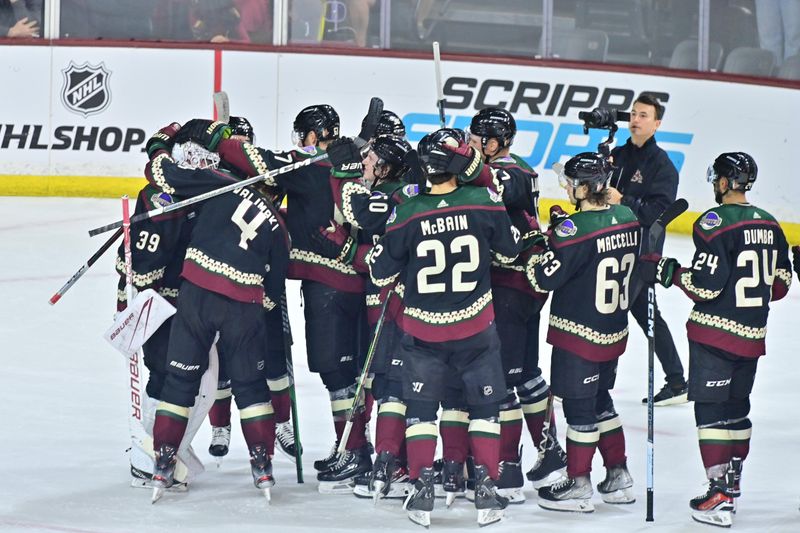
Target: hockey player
(234, 269)
(588, 267)
(438, 246)
(741, 263)
(796, 260)
(158, 247)
(278, 379)
(367, 206)
(517, 306)
(333, 291)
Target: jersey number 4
(440, 263)
(762, 271)
(249, 229)
(610, 294)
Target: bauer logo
(710, 220)
(86, 90)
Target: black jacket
(646, 178)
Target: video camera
(603, 118)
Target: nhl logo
(86, 90)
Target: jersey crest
(710, 221)
(567, 228)
(161, 199)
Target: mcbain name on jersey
(619, 240)
(442, 224)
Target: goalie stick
(82, 270)
(367, 132)
(654, 238)
(222, 106)
(362, 379)
(437, 65)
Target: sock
(391, 427)
(420, 445)
(484, 440)
(281, 401)
(580, 450)
(220, 413)
(740, 433)
(612, 442)
(455, 438)
(170, 424)
(510, 433)
(258, 426)
(715, 445)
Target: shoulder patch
(567, 228)
(710, 221)
(495, 197)
(392, 216)
(161, 199)
(411, 190)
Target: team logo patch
(86, 89)
(710, 220)
(637, 177)
(411, 190)
(494, 196)
(566, 229)
(392, 216)
(161, 199)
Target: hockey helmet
(388, 124)
(586, 168)
(494, 123)
(191, 155)
(450, 136)
(322, 119)
(241, 126)
(392, 151)
(740, 169)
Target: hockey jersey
(741, 262)
(239, 246)
(588, 267)
(158, 245)
(439, 248)
(310, 195)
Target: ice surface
(63, 426)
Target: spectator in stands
(20, 18)
(359, 19)
(217, 21)
(779, 27)
(256, 19)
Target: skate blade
(515, 495)
(450, 497)
(567, 506)
(336, 487)
(218, 461)
(551, 479)
(267, 492)
(487, 517)
(148, 484)
(422, 518)
(158, 492)
(619, 497)
(714, 518)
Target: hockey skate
(669, 395)
(617, 487)
(164, 470)
(321, 465)
(395, 485)
(510, 482)
(340, 478)
(453, 482)
(550, 467)
(284, 438)
(438, 490)
(261, 468)
(488, 502)
(220, 442)
(570, 494)
(419, 502)
(735, 473)
(715, 507)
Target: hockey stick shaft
(362, 379)
(437, 65)
(86, 266)
(367, 132)
(287, 347)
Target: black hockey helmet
(587, 168)
(740, 169)
(241, 126)
(388, 124)
(494, 123)
(392, 151)
(322, 119)
(450, 136)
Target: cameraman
(646, 181)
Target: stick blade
(370, 121)
(673, 211)
(222, 105)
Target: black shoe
(489, 504)
(550, 467)
(670, 395)
(220, 440)
(340, 478)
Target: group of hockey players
(440, 251)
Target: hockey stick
(287, 347)
(437, 65)
(654, 237)
(222, 106)
(373, 115)
(362, 379)
(82, 270)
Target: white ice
(63, 425)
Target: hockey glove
(557, 214)
(163, 139)
(206, 133)
(465, 161)
(796, 260)
(534, 239)
(335, 242)
(654, 268)
(343, 151)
